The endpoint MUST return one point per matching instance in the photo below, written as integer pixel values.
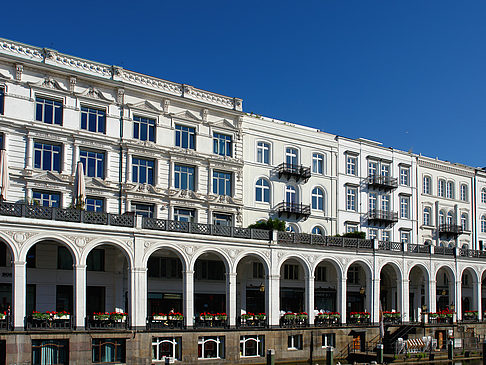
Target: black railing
(383, 182)
(326, 321)
(420, 249)
(363, 321)
(157, 323)
(298, 210)
(211, 322)
(94, 323)
(252, 322)
(298, 172)
(450, 229)
(294, 321)
(328, 241)
(445, 251)
(382, 216)
(52, 323)
(6, 322)
(390, 246)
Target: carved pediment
(94, 93)
(146, 106)
(49, 83)
(225, 123)
(49, 176)
(188, 115)
(97, 183)
(5, 76)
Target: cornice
(441, 167)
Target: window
(210, 347)
(318, 231)
(351, 194)
(483, 224)
(464, 192)
(96, 260)
(372, 168)
(93, 163)
(483, 195)
(64, 298)
(291, 156)
(164, 267)
(441, 218)
(427, 185)
(385, 203)
(290, 194)
(144, 129)
(50, 352)
(185, 137)
(262, 191)
(184, 215)
(2, 147)
(290, 228)
(145, 210)
(372, 202)
(373, 233)
(2, 100)
(318, 163)
(450, 218)
(142, 171)
(404, 176)
(263, 152)
(385, 169)
(404, 237)
(252, 345)
(163, 347)
(46, 199)
(258, 270)
(64, 258)
(464, 224)
(404, 207)
(93, 120)
(441, 188)
(222, 144)
(351, 227)
(385, 235)
(221, 183)
(108, 350)
(321, 273)
(94, 204)
(351, 162)
(427, 213)
(450, 190)
(48, 111)
(317, 199)
(47, 156)
(295, 342)
(291, 272)
(328, 340)
(210, 270)
(220, 219)
(184, 177)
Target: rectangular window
(144, 129)
(165, 347)
(353, 275)
(351, 163)
(94, 204)
(385, 203)
(145, 210)
(164, 267)
(184, 215)
(96, 260)
(2, 100)
(263, 152)
(220, 219)
(351, 228)
(210, 347)
(404, 237)
(108, 350)
(328, 340)
(404, 176)
(64, 298)
(385, 235)
(93, 120)
(321, 273)
(46, 199)
(385, 169)
(351, 194)
(291, 272)
(53, 352)
(184, 177)
(47, 156)
(258, 271)
(48, 111)
(317, 163)
(404, 207)
(372, 202)
(222, 144)
(295, 342)
(221, 183)
(372, 168)
(373, 233)
(93, 163)
(64, 258)
(185, 137)
(143, 171)
(252, 345)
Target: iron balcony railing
(93, 323)
(328, 241)
(383, 182)
(289, 209)
(382, 216)
(450, 229)
(298, 172)
(31, 323)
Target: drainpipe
(475, 240)
(120, 168)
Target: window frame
(141, 123)
(116, 342)
(222, 144)
(404, 207)
(2, 99)
(176, 344)
(351, 198)
(351, 165)
(318, 163)
(85, 160)
(464, 196)
(222, 183)
(263, 152)
(219, 343)
(49, 200)
(57, 105)
(181, 131)
(54, 155)
(99, 119)
(404, 176)
(427, 216)
(317, 197)
(149, 175)
(427, 185)
(183, 176)
(260, 345)
(262, 191)
(295, 342)
(150, 212)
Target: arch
(112, 242)
(216, 251)
(395, 266)
(318, 230)
(292, 228)
(252, 253)
(450, 217)
(263, 188)
(427, 216)
(179, 253)
(316, 158)
(424, 270)
(50, 237)
(292, 155)
(10, 246)
(335, 263)
(295, 257)
(263, 144)
(464, 193)
(427, 185)
(367, 268)
(475, 274)
(318, 199)
(448, 270)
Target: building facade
(156, 259)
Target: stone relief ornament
(189, 250)
(19, 68)
(166, 105)
(72, 83)
(20, 237)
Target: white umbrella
(80, 185)
(3, 175)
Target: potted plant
(324, 315)
(335, 315)
(433, 315)
(220, 317)
(41, 316)
(247, 316)
(289, 316)
(175, 316)
(118, 316)
(261, 316)
(355, 315)
(206, 316)
(159, 317)
(101, 316)
(302, 315)
(60, 315)
(3, 316)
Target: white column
(189, 297)
(375, 310)
(138, 297)
(80, 295)
(30, 152)
(457, 298)
(432, 297)
(75, 158)
(19, 293)
(129, 167)
(309, 297)
(341, 299)
(405, 300)
(231, 298)
(64, 167)
(477, 299)
(272, 300)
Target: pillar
(341, 299)
(457, 298)
(272, 300)
(138, 297)
(477, 299)
(309, 297)
(189, 297)
(80, 296)
(231, 298)
(375, 310)
(432, 297)
(30, 152)
(405, 304)
(19, 281)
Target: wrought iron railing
(292, 170)
(252, 322)
(382, 215)
(390, 246)
(157, 323)
(93, 323)
(328, 241)
(449, 228)
(297, 209)
(326, 321)
(211, 322)
(385, 182)
(446, 251)
(6, 322)
(31, 323)
(293, 322)
(421, 249)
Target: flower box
(221, 317)
(336, 315)
(323, 315)
(159, 318)
(41, 316)
(206, 318)
(302, 316)
(61, 316)
(3, 316)
(289, 316)
(101, 316)
(247, 317)
(118, 317)
(176, 317)
(261, 316)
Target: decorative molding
(146, 106)
(49, 83)
(166, 105)
(94, 93)
(466, 171)
(120, 95)
(19, 68)
(72, 83)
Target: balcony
(252, 321)
(49, 323)
(299, 211)
(450, 229)
(165, 322)
(382, 217)
(385, 183)
(105, 322)
(298, 172)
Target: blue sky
(410, 73)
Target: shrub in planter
(176, 316)
(118, 316)
(159, 317)
(41, 315)
(289, 315)
(261, 316)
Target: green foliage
(270, 224)
(355, 234)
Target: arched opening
(468, 307)
(292, 286)
(250, 291)
(390, 292)
(358, 293)
(326, 279)
(418, 293)
(49, 285)
(107, 288)
(445, 290)
(6, 258)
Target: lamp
(443, 292)
(362, 290)
(262, 287)
(424, 308)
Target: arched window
(317, 199)
(317, 230)
(483, 224)
(483, 195)
(450, 190)
(291, 156)
(318, 163)
(427, 242)
(450, 218)
(262, 191)
(464, 193)
(291, 228)
(441, 188)
(443, 244)
(290, 195)
(464, 221)
(441, 217)
(427, 216)
(427, 185)
(263, 152)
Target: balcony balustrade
(49, 323)
(294, 320)
(297, 210)
(385, 183)
(449, 229)
(96, 322)
(5, 322)
(382, 217)
(211, 321)
(165, 322)
(298, 172)
(252, 321)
